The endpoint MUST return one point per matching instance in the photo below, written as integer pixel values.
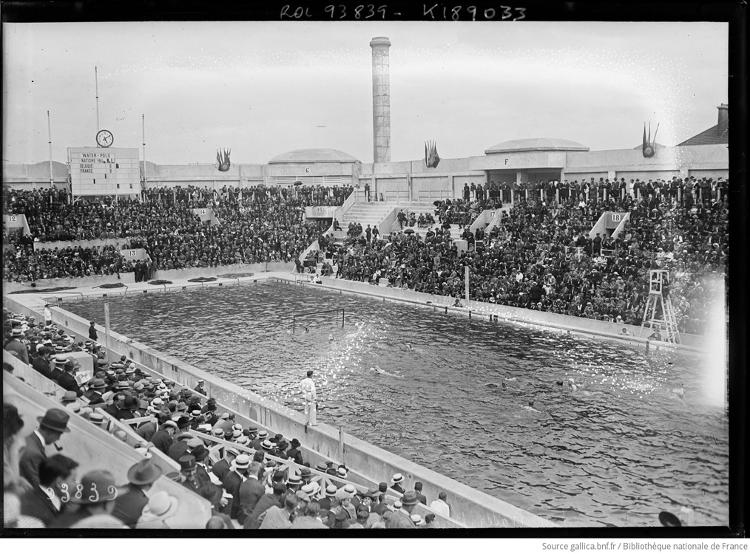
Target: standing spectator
(12, 425)
(51, 427)
(43, 501)
(440, 506)
(16, 347)
(250, 491)
(279, 517)
(401, 518)
(130, 504)
(163, 438)
(418, 489)
(92, 332)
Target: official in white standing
(310, 397)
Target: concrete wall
(482, 310)
(189, 273)
(96, 243)
(469, 506)
(94, 280)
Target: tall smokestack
(723, 117)
(381, 100)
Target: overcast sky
(264, 88)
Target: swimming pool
(427, 386)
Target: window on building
(117, 166)
(118, 185)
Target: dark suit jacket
(42, 366)
(231, 484)
(68, 382)
(268, 500)
(32, 455)
(162, 440)
(36, 503)
(128, 506)
(251, 491)
(220, 469)
(177, 449)
(295, 455)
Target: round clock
(105, 138)
(648, 152)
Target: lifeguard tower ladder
(659, 314)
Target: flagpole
(143, 131)
(96, 85)
(49, 142)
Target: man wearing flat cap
(129, 505)
(51, 427)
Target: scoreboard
(104, 171)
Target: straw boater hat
(397, 478)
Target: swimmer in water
(330, 337)
(679, 391)
(572, 384)
(531, 407)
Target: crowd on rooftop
(251, 477)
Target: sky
(264, 88)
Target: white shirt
(440, 507)
(308, 390)
(47, 314)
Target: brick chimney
(723, 117)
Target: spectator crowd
(540, 256)
(251, 477)
(262, 224)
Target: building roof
(712, 135)
(537, 145)
(35, 172)
(312, 155)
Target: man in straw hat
(51, 427)
(130, 504)
(96, 498)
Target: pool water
(621, 447)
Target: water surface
(427, 386)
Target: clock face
(104, 138)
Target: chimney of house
(723, 117)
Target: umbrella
(408, 231)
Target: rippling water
(426, 386)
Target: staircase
(367, 213)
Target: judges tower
(659, 314)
